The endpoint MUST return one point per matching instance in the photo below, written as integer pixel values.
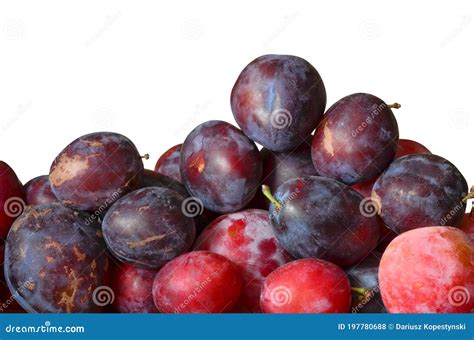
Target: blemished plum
(55, 262)
(356, 140)
(168, 163)
(317, 217)
(197, 282)
(278, 100)
(420, 190)
(148, 227)
(365, 285)
(428, 270)
(11, 198)
(306, 286)
(220, 166)
(38, 191)
(247, 239)
(95, 168)
(8, 303)
(133, 289)
(410, 147)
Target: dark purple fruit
(168, 163)
(420, 190)
(11, 198)
(364, 280)
(278, 100)
(55, 262)
(356, 140)
(220, 166)
(155, 179)
(149, 227)
(95, 168)
(38, 191)
(321, 218)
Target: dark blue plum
(220, 166)
(420, 190)
(322, 218)
(278, 100)
(148, 227)
(356, 140)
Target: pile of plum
(334, 214)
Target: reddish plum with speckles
(428, 270)
(247, 239)
(55, 260)
(38, 191)
(197, 282)
(306, 286)
(95, 169)
(220, 166)
(410, 147)
(278, 100)
(168, 163)
(148, 227)
(322, 218)
(11, 198)
(356, 140)
(133, 289)
(419, 191)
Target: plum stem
(469, 196)
(268, 194)
(146, 156)
(361, 291)
(394, 106)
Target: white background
(152, 70)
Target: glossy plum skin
(356, 140)
(155, 179)
(133, 289)
(54, 261)
(38, 191)
(322, 218)
(220, 166)
(11, 198)
(208, 283)
(278, 100)
(279, 167)
(410, 147)
(306, 286)
(419, 191)
(247, 239)
(467, 225)
(168, 163)
(94, 169)
(436, 267)
(365, 275)
(148, 227)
